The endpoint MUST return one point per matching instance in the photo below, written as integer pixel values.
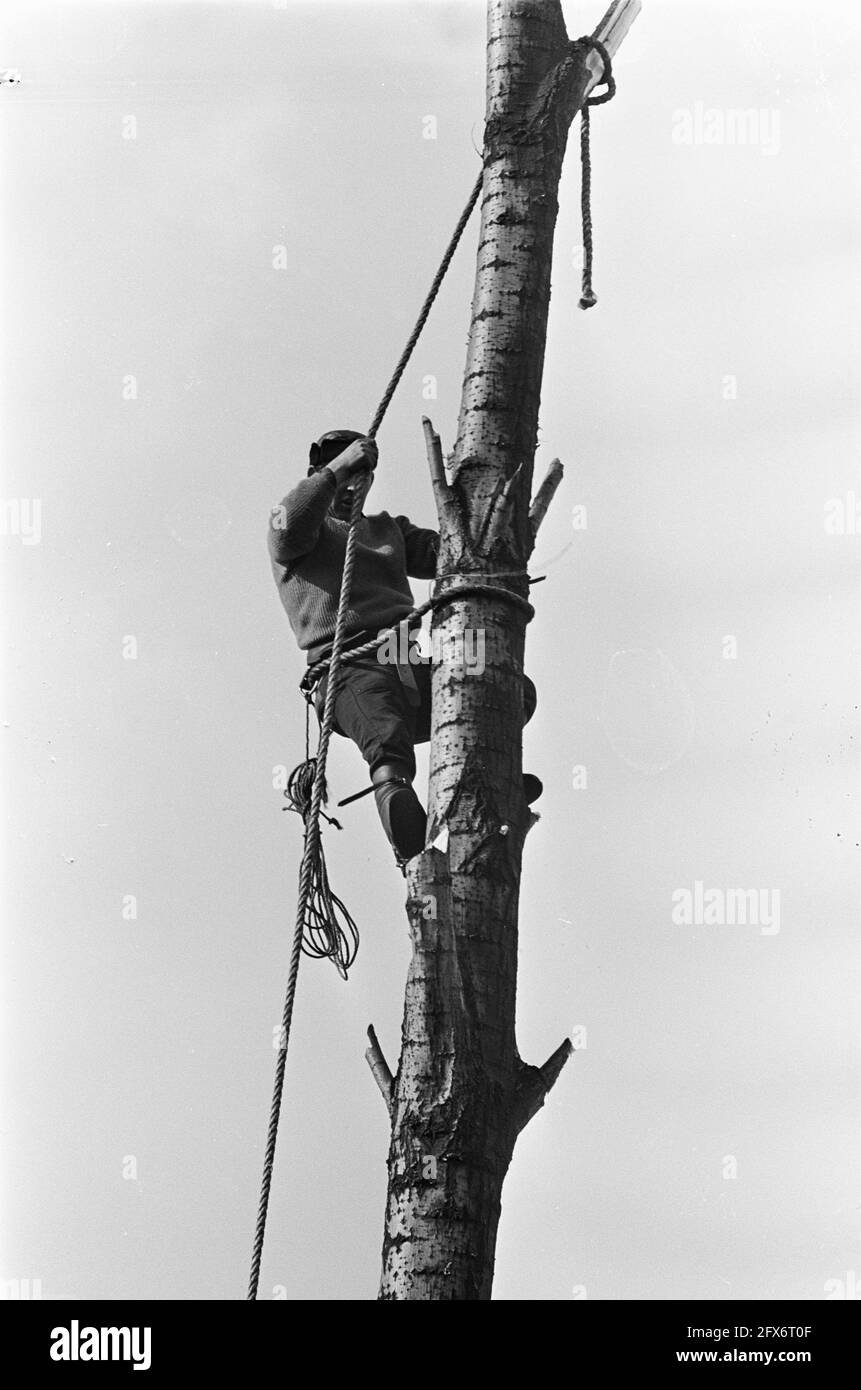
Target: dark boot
(532, 787)
(402, 814)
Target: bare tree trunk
(462, 1092)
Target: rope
(330, 929)
(355, 653)
(318, 670)
(306, 876)
(426, 308)
(588, 297)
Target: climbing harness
(323, 926)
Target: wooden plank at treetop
(611, 31)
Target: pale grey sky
(707, 413)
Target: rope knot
(583, 45)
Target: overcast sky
(695, 646)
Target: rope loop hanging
(588, 298)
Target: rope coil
(330, 930)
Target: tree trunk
(462, 1092)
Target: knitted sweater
(307, 548)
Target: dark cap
(342, 437)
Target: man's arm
(421, 547)
(295, 525)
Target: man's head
(359, 455)
(329, 446)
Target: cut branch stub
(544, 495)
(380, 1069)
(500, 514)
(447, 505)
(536, 1082)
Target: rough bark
(462, 1093)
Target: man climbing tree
(461, 1093)
(383, 706)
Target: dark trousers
(383, 717)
